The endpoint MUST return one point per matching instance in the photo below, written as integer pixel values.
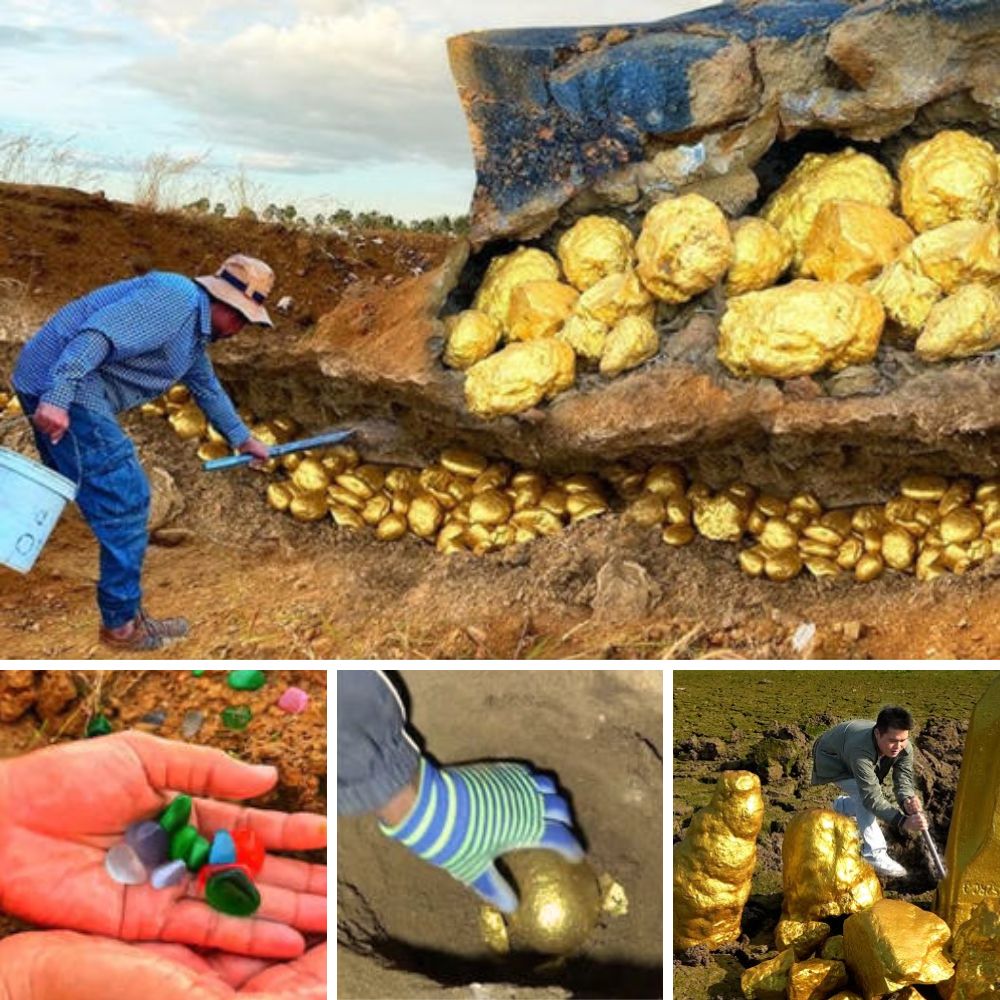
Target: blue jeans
(113, 497)
(872, 837)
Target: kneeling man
(857, 755)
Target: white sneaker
(886, 867)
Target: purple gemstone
(149, 841)
(172, 873)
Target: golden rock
(585, 335)
(929, 564)
(965, 323)
(833, 947)
(923, 487)
(958, 494)
(493, 930)
(815, 979)
(666, 479)
(615, 297)
(353, 483)
(308, 507)
(852, 241)
(337, 494)
(491, 508)
(895, 944)
(870, 566)
(391, 527)
(753, 561)
(820, 178)
(594, 247)
(279, 495)
(461, 462)
(822, 869)
(972, 854)
(714, 863)
(479, 538)
(344, 454)
(581, 482)
(769, 979)
(820, 566)
(906, 295)
(684, 248)
(761, 255)
(721, 518)
(189, 422)
(450, 538)
(519, 376)
(824, 534)
(803, 936)
(800, 328)
(493, 477)
(209, 450)
(771, 506)
(344, 517)
(678, 534)
(541, 522)
(953, 175)
(310, 475)
(679, 509)
(631, 341)
(956, 254)
(899, 549)
(373, 475)
(778, 535)
(376, 510)
(976, 953)
(177, 394)
(559, 904)
(155, 408)
(539, 309)
(424, 515)
(845, 995)
(850, 553)
(960, 525)
(505, 273)
(782, 566)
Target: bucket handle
(10, 421)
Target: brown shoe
(148, 633)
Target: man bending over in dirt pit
(109, 351)
(857, 755)
(458, 818)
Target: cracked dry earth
(406, 929)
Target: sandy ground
(405, 929)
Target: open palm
(63, 807)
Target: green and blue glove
(464, 817)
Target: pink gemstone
(294, 700)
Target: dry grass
(163, 180)
(26, 159)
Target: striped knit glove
(464, 817)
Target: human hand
(915, 822)
(465, 817)
(63, 807)
(55, 965)
(51, 420)
(911, 805)
(260, 451)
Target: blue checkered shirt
(125, 344)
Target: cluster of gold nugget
(930, 274)
(10, 406)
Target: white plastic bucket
(31, 499)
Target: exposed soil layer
(405, 929)
(766, 722)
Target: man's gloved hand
(464, 817)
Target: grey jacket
(849, 751)
(375, 757)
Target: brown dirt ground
(257, 584)
(295, 744)
(406, 929)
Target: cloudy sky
(324, 103)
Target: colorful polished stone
(155, 718)
(171, 873)
(197, 673)
(149, 841)
(191, 723)
(98, 726)
(182, 842)
(236, 716)
(176, 815)
(209, 870)
(124, 865)
(223, 849)
(293, 701)
(232, 892)
(247, 680)
(249, 849)
(197, 854)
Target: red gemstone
(249, 849)
(207, 871)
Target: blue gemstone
(223, 849)
(169, 874)
(149, 841)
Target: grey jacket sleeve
(375, 757)
(903, 782)
(871, 793)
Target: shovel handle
(234, 461)
(936, 863)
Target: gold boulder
(799, 329)
(471, 336)
(769, 979)
(965, 323)
(816, 979)
(803, 936)
(505, 273)
(761, 255)
(519, 376)
(852, 241)
(684, 247)
(631, 341)
(976, 953)
(615, 297)
(593, 248)
(906, 295)
(822, 177)
(539, 309)
(822, 869)
(586, 335)
(953, 175)
(895, 944)
(714, 863)
(956, 254)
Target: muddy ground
(41, 707)
(405, 929)
(257, 584)
(765, 721)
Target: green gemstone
(197, 673)
(233, 893)
(98, 726)
(182, 842)
(247, 680)
(176, 815)
(236, 716)
(197, 855)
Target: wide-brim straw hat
(243, 283)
